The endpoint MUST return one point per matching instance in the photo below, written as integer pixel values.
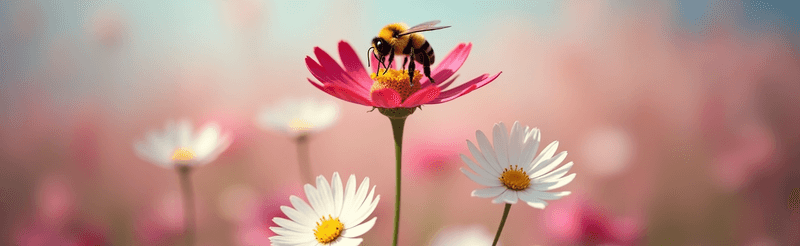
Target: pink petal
(386, 98)
(334, 70)
(353, 64)
(325, 77)
(467, 87)
(342, 93)
(448, 83)
(452, 62)
(420, 97)
(348, 95)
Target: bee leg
(405, 60)
(426, 67)
(391, 58)
(411, 66)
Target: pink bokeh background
(680, 134)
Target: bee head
(382, 47)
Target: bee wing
(427, 26)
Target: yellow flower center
(328, 230)
(515, 178)
(300, 125)
(397, 80)
(183, 155)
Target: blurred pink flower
(430, 159)
(584, 223)
(254, 229)
(55, 199)
(162, 222)
(740, 150)
(73, 233)
(352, 83)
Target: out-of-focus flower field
(682, 119)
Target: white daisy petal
(346, 241)
(199, 149)
(291, 225)
(207, 140)
(298, 116)
(509, 197)
(349, 196)
(499, 199)
(547, 153)
(548, 165)
(338, 194)
(481, 160)
(487, 151)
(479, 170)
(488, 192)
(304, 209)
(344, 228)
(515, 141)
(552, 185)
(500, 144)
(359, 229)
(535, 175)
(364, 213)
(324, 189)
(297, 216)
(529, 149)
(555, 174)
(314, 199)
(481, 180)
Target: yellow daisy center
(328, 230)
(397, 80)
(515, 178)
(183, 154)
(300, 125)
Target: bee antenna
(368, 50)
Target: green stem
(303, 159)
(502, 223)
(188, 205)
(397, 130)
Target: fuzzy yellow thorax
(397, 80)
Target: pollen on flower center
(328, 230)
(397, 80)
(300, 125)
(515, 178)
(183, 154)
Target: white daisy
(177, 145)
(334, 218)
(474, 235)
(510, 169)
(297, 117)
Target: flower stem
(502, 223)
(303, 158)
(188, 205)
(397, 130)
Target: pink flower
(584, 223)
(352, 83)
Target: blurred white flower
(177, 145)
(511, 171)
(296, 117)
(334, 218)
(474, 235)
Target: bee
(399, 39)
